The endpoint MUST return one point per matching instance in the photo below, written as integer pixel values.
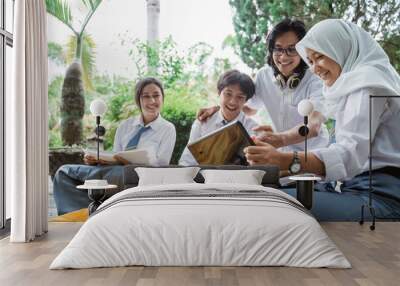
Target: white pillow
(166, 176)
(248, 177)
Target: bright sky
(188, 21)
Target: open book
(135, 156)
(224, 146)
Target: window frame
(6, 39)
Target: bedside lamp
(98, 107)
(305, 108)
(305, 182)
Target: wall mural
(100, 48)
(189, 75)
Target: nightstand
(96, 194)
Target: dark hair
(286, 25)
(233, 77)
(141, 84)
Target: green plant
(254, 18)
(81, 57)
(55, 53)
(86, 58)
(54, 90)
(181, 112)
(54, 139)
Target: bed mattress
(201, 225)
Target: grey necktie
(132, 144)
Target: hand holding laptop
(223, 146)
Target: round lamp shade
(305, 107)
(98, 107)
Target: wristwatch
(295, 166)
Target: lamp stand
(305, 183)
(303, 131)
(370, 189)
(98, 138)
(305, 137)
(369, 205)
(100, 131)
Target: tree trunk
(72, 105)
(153, 15)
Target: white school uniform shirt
(348, 157)
(214, 122)
(159, 139)
(281, 104)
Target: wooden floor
(375, 257)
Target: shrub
(180, 109)
(182, 119)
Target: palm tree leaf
(55, 52)
(71, 49)
(91, 4)
(88, 4)
(87, 60)
(60, 10)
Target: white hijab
(364, 63)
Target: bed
(201, 224)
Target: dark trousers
(346, 206)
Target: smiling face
(231, 101)
(324, 67)
(151, 101)
(286, 64)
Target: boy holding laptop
(234, 89)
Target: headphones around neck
(292, 82)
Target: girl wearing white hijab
(352, 66)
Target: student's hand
(264, 153)
(266, 134)
(263, 128)
(205, 113)
(249, 111)
(121, 160)
(90, 160)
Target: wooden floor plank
(374, 255)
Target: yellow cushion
(75, 216)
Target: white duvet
(200, 231)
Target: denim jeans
(68, 198)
